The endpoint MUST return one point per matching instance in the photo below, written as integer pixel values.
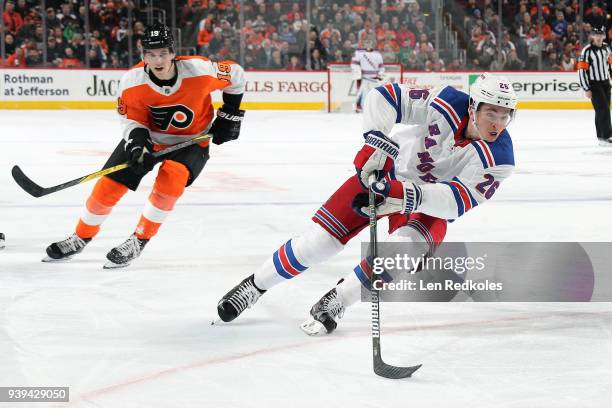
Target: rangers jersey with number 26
(455, 173)
(175, 113)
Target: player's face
(160, 62)
(491, 120)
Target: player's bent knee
(316, 245)
(172, 178)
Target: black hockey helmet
(601, 30)
(157, 36)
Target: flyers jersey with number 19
(173, 114)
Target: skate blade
(112, 265)
(313, 327)
(53, 260)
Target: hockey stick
(380, 367)
(37, 191)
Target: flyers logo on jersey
(178, 116)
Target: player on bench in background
(368, 70)
(461, 155)
(164, 100)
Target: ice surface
(141, 337)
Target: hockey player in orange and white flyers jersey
(163, 101)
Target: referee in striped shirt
(594, 70)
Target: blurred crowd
(280, 35)
(525, 44)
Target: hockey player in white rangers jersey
(462, 154)
(368, 70)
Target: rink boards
(265, 90)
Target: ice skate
(122, 255)
(241, 297)
(66, 249)
(324, 315)
(605, 142)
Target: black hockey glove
(138, 151)
(226, 126)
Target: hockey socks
(296, 255)
(106, 193)
(169, 186)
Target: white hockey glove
(377, 156)
(398, 197)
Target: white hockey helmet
(493, 89)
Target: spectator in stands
(77, 43)
(388, 54)
(300, 29)
(275, 13)
(228, 51)
(568, 63)
(259, 25)
(39, 37)
(216, 43)
(205, 35)
(94, 60)
(413, 63)
(96, 46)
(405, 37)
(295, 13)
(330, 31)
(513, 63)
(472, 8)
(115, 62)
(276, 62)
(191, 14)
(595, 15)
(70, 60)
(551, 63)
(347, 50)
(17, 59)
(51, 19)
(524, 26)
(414, 12)
(66, 14)
(506, 43)
(295, 64)
(286, 34)
(338, 57)
(534, 48)
(499, 62)
(12, 20)
(316, 61)
(54, 52)
(58, 33)
(421, 28)
(23, 8)
(263, 56)
(486, 51)
(559, 26)
(456, 65)
(9, 44)
(435, 63)
(33, 58)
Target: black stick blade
(388, 371)
(26, 183)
